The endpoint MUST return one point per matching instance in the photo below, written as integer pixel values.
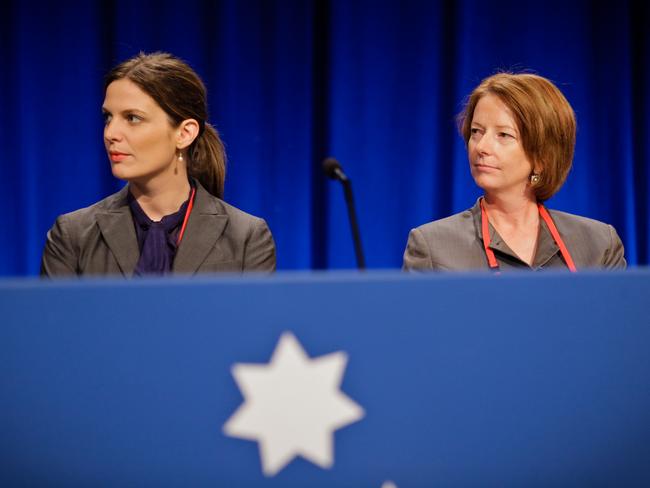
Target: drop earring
(178, 158)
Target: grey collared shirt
(547, 253)
(455, 243)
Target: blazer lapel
(204, 227)
(117, 228)
(546, 246)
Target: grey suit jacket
(456, 243)
(101, 240)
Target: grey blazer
(101, 240)
(456, 243)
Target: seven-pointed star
(292, 405)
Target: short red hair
(544, 118)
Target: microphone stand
(333, 169)
(354, 224)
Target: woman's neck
(516, 219)
(160, 196)
(512, 211)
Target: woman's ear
(187, 131)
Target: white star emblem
(292, 405)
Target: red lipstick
(116, 157)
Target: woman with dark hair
(169, 218)
(520, 134)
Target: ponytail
(208, 161)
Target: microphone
(333, 169)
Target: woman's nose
(483, 145)
(111, 131)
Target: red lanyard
(187, 217)
(492, 260)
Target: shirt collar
(546, 245)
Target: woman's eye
(134, 119)
(107, 118)
(474, 130)
(505, 134)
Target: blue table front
(463, 380)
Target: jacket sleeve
(259, 254)
(59, 256)
(417, 255)
(615, 255)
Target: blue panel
(467, 380)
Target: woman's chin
(485, 183)
(121, 173)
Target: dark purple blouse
(156, 240)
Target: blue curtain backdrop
(376, 84)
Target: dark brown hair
(544, 119)
(181, 94)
